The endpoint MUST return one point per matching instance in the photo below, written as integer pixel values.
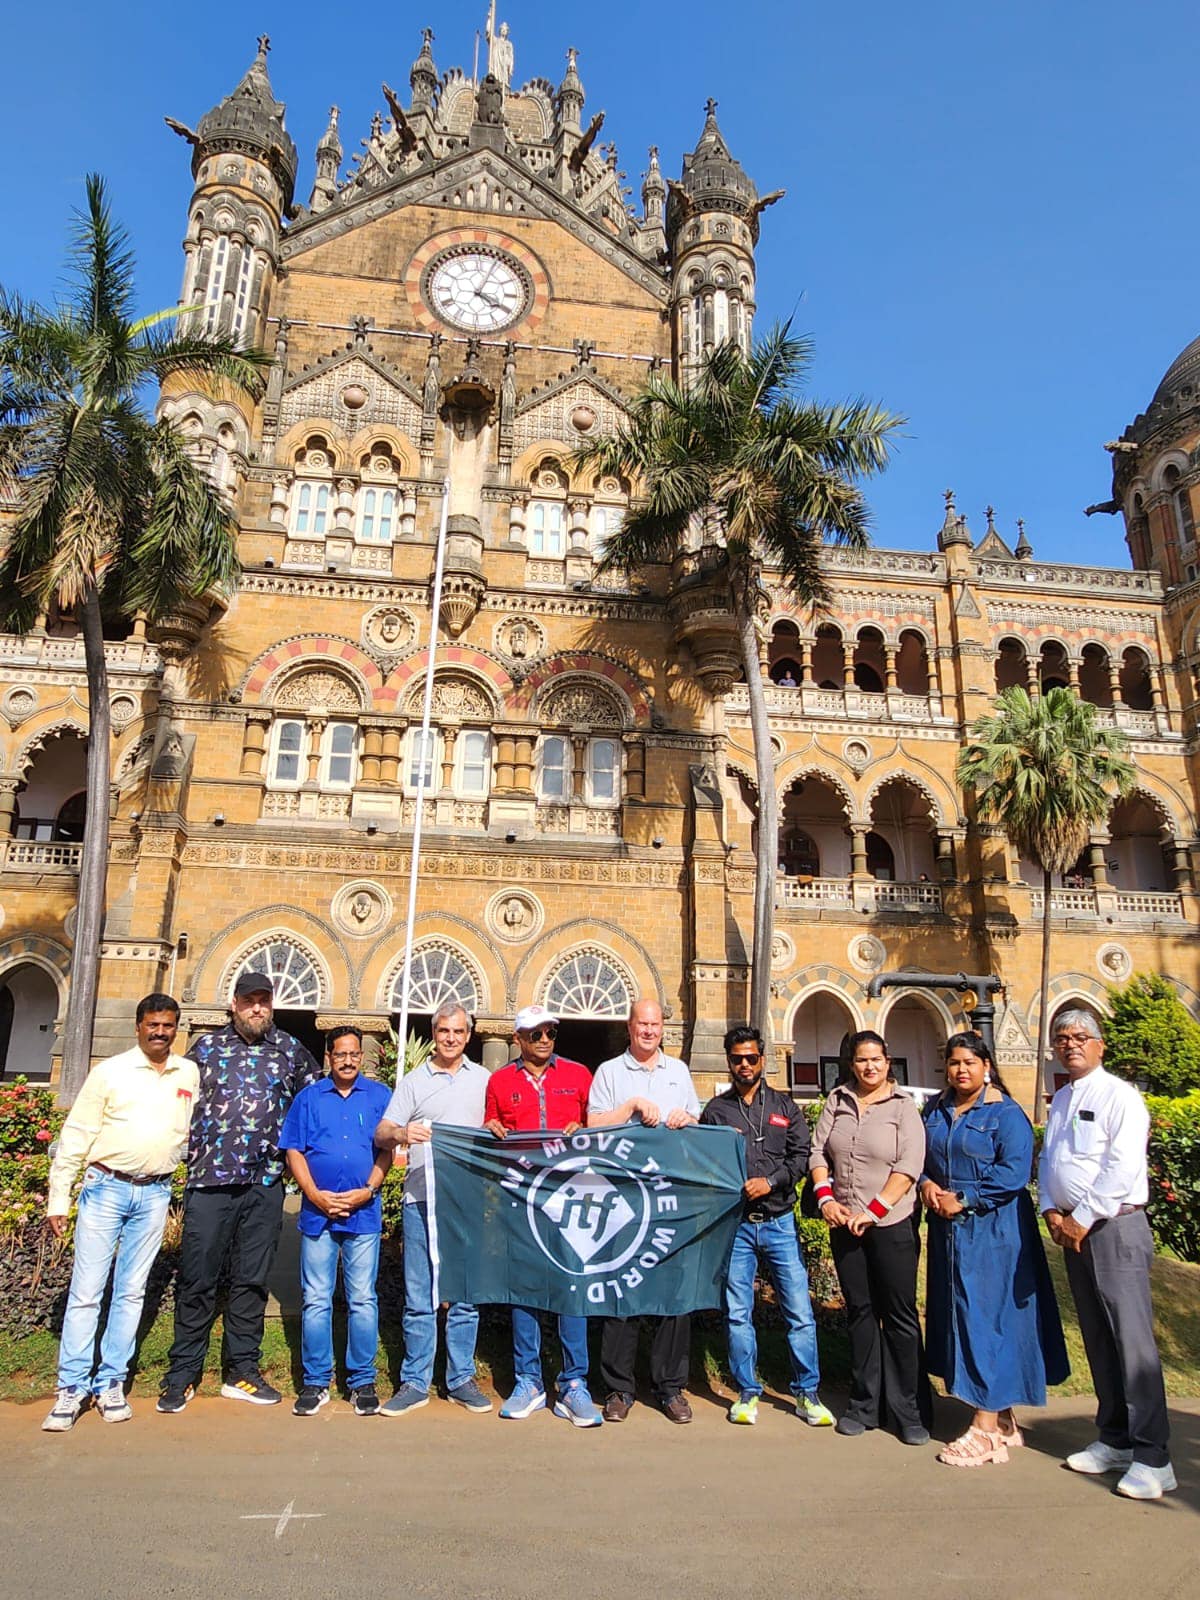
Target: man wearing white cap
(542, 1090)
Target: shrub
(29, 1119)
(1174, 1160)
(1151, 1037)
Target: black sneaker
(310, 1400)
(365, 1401)
(251, 1386)
(174, 1396)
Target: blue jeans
(318, 1275)
(774, 1243)
(420, 1313)
(114, 1217)
(527, 1347)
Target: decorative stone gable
(569, 411)
(353, 392)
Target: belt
(1127, 1211)
(129, 1177)
(763, 1216)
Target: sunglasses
(751, 1056)
(535, 1034)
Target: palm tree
(1041, 768)
(742, 458)
(109, 516)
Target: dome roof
(711, 176)
(1182, 377)
(252, 118)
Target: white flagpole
(425, 764)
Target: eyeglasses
(345, 1055)
(751, 1056)
(536, 1034)
(1063, 1039)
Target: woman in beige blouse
(868, 1151)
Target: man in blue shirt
(329, 1140)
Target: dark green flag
(624, 1222)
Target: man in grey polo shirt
(647, 1086)
(450, 1089)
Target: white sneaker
(1100, 1458)
(1147, 1483)
(68, 1403)
(112, 1404)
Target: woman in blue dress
(993, 1333)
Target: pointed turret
(329, 159)
(1024, 549)
(954, 528)
(250, 121)
(712, 180)
(569, 100)
(424, 75)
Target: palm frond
(102, 261)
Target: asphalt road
(231, 1502)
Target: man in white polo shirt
(450, 1089)
(647, 1086)
(129, 1129)
(1093, 1186)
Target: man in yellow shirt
(128, 1129)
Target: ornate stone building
(464, 301)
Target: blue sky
(989, 225)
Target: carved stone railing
(32, 855)
(1135, 904)
(603, 822)
(851, 704)
(36, 649)
(1040, 575)
(1145, 723)
(1064, 902)
(1124, 905)
(813, 893)
(907, 896)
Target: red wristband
(822, 1192)
(879, 1207)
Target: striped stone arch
(72, 727)
(806, 768)
(313, 649)
(1162, 798)
(943, 806)
(1063, 988)
(295, 966)
(593, 665)
(794, 991)
(449, 657)
(35, 949)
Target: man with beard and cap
(777, 1146)
(250, 1072)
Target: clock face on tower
(479, 289)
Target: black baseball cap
(254, 983)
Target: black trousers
(1110, 1285)
(239, 1224)
(670, 1353)
(878, 1275)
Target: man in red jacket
(543, 1091)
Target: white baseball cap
(532, 1017)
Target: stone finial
(990, 513)
(423, 76)
(1024, 549)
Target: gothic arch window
(375, 515)
(1181, 506)
(292, 972)
(310, 510)
(588, 984)
(438, 976)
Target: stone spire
(424, 74)
(654, 191)
(1024, 549)
(954, 528)
(250, 120)
(569, 101)
(329, 159)
(712, 180)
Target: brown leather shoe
(676, 1409)
(617, 1407)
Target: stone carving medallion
(361, 908)
(866, 952)
(18, 704)
(1114, 962)
(515, 915)
(783, 953)
(520, 638)
(389, 629)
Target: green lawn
(27, 1366)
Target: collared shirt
(245, 1091)
(335, 1133)
(863, 1145)
(665, 1080)
(1094, 1154)
(777, 1142)
(128, 1116)
(431, 1094)
(525, 1101)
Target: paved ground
(230, 1502)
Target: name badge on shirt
(183, 1094)
(1087, 1116)
(778, 1121)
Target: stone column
(944, 854)
(1114, 681)
(315, 729)
(1073, 673)
(505, 757)
(523, 761)
(372, 751)
(889, 666)
(254, 743)
(1098, 863)
(858, 849)
(1032, 675)
(579, 769)
(1181, 867)
(389, 761)
(635, 769)
(8, 806)
(449, 740)
(805, 654)
(848, 648)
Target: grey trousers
(1110, 1284)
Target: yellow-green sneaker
(744, 1410)
(809, 1409)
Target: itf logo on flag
(624, 1222)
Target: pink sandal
(1012, 1435)
(975, 1448)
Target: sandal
(1012, 1435)
(975, 1448)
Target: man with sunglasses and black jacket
(777, 1146)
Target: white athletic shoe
(1100, 1458)
(1147, 1483)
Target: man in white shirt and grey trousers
(1093, 1188)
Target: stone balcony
(60, 653)
(873, 895)
(854, 705)
(37, 855)
(1122, 905)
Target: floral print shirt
(245, 1091)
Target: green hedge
(1174, 1206)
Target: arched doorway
(900, 846)
(439, 976)
(916, 1039)
(298, 989)
(591, 997)
(28, 1019)
(819, 1029)
(53, 801)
